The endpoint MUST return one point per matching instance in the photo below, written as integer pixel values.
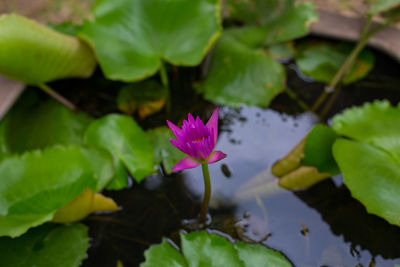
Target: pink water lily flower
(197, 141)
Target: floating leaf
(370, 163)
(242, 75)
(379, 6)
(33, 186)
(164, 151)
(376, 123)
(145, 97)
(322, 60)
(142, 33)
(126, 141)
(32, 124)
(273, 21)
(47, 245)
(35, 54)
(204, 249)
(318, 149)
(373, 177)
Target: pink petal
(216, 156)
(185, 163)
(175, 129)
(212, 124)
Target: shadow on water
(321, 226)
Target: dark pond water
(321, 226)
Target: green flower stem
(344, 69)
(165, 82)
(207, 193)
(57, 97)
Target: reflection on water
(322, 226)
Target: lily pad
(322, 60)
(164, 151)
(372, 176)
(127, 142)
(240, 75)
(318, 149)
(47, 245)
(146, 97)
(34, 185)
(273, 21)
(35, 54)
(376, 123)
(370, 163)
(204, 249)
(143, 33)
(32, 124)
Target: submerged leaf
(370, 163)
(145, 97)
(164, 151)
(35, 54)
(322, 60)
(35, 185)
(242, 75)
(47, 245)
(126, 141)
(204, 249)
(142, 33)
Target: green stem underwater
(207, 193)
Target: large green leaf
(126, 141)
(48, 245)
(164, 151)
(34, 185)
(203, 249)
(34, 124)
(132, 37)
(380, 6)
(370, 163)
(376, 123)
(242, 75)
(322, 60)
(35, 54)
(273, 21)
(373, 177)
(318, 149)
